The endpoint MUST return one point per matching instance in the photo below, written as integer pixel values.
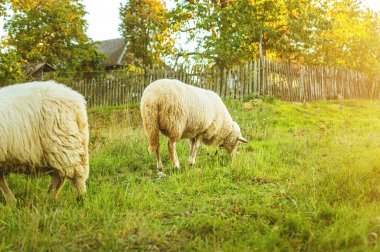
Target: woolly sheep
(182, 111)
(43, 129)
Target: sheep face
(233, 140)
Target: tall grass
(309, 179)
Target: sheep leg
(79, 183)
(154, 145)
(56, 184)
(194, 145)
(192, 141)
(173, 153)
(8, 195)
(158, 159)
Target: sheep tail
(151, 127)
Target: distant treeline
(221, 33)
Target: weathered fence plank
(260, 77)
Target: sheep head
(233, 139)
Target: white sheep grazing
(43, 129)
(182, 111)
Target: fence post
(258, 77)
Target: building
(36, 71)
(114, 49)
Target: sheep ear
(242, 140)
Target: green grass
(309, 179)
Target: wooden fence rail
(260, 77)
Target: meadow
(309, 180)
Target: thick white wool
(43, 125)
(180, 110)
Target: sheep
(182, 111)
(43, 129)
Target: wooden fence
(260, 77)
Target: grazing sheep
(43, 129)
(183, 111)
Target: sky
(373, 4)
(103, 17)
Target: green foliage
(349, 38)
(51, 31)
(307, 180)
(144, 24)
(224, 33)
(326, 32)
(233, 32)
(10, 70)
(2, 8)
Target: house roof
(31, 68)
(114, 49)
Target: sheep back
(43, 125)
(180, 110)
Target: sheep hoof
(176, 165)
(159, 166)
(161, 174)
(191, 162)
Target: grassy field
(308, 180)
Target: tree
(349, 37)
(236, 31)
(2, 8)
(52, 31)
(145, 27)
(10, 69)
